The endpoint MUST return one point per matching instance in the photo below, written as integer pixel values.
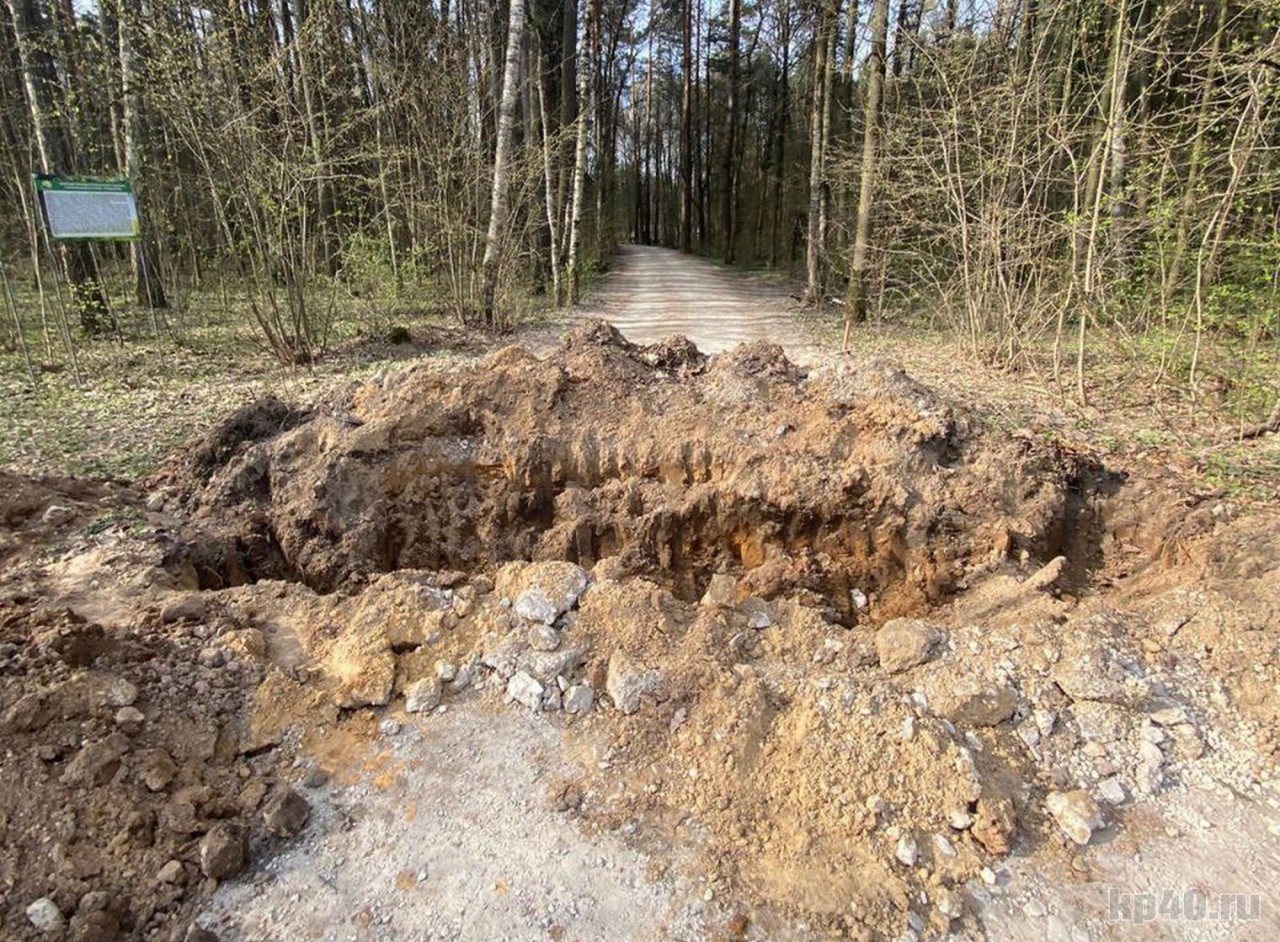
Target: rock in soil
(526, 691)
(224, 851)
(172, 872)
(578, 699)
(626, 682)
(904, 643)
(45, 915)
(285, 812)
(423, 696)
(1076, 813)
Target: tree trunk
(855, 310)
(148, 288)
(1111, 118)
(568, 110)
(548, 174)
(902, 37)
(780, 141)
(730, 149)
(498, 203)
(686, 134)
(818, 119)
(824, 183)
(580, 161)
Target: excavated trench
(854, 486)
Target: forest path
(652, 293)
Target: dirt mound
(596, 453)
(124, 792)
(844, 638)
(263, 418)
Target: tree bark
(813, 255)
(780, 141)
(548, 174)
(148, 288)
(1187, 207)
(731, 150)
(580, 162)
(686, 134)
(855, 310)
(498, 203)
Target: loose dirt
(629, 642)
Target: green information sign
(88, 209)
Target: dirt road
(652, 293)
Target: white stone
(546, 666)
(1076, 813)
(524, 690)
(903, 643)
(906, 851)
(463, 679)
(553, 589)
(543, 638)
(422, 696)
(1111, 791)
(45, 915)
(959, 818)
(118, 692)
(1150, 772)
(1169, 716)
(534, 605)
(130, 719)
(626, 683)
(579, 699)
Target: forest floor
(811, 647)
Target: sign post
(100, 210)
(93, 210)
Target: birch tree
(498, 203)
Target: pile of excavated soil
(124, 789)
(669, 467)
(848, 641)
